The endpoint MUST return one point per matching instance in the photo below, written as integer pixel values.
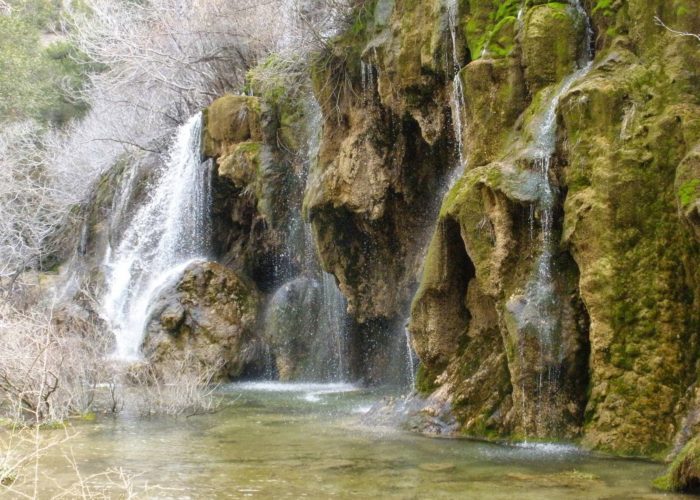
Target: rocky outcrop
(604, 349)
(373, 194)
(205, 321)
(254, 189)
(626, 140)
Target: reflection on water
(308, 440)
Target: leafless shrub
(21, 449)
(48, 370)
(182, 388)
(34, 199)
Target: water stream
(171, 228)
(542, 305)
(457, 102)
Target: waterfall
(170, 229)
(457, 102)
(410, 357)
(309, 307)
(541, 311)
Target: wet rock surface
(206, 319)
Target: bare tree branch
(659, 22)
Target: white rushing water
(541, 290)
(410, 358)
(171, 229)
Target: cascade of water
(410, 358)
(323, 329)
(458, 106)
(170, 229)
(457, 102)
(332, 321)
(368, 80)
(543, 306)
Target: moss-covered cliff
(618, 366)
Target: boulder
(208, 319)
(551, 44)
(303, 338)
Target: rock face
(208, 318)
(600, 343)
(383, 159)
(254, 186)
(617, 225)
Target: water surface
(273, 440)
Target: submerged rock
(206, 321)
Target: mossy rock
(552, 43)
(688, 189)
(684, 472)
(241, 165)
(495, 95)
(205, 320)
(229, 120)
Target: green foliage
(37, 78)
(497, 34)
(603, 6)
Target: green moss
(689, 192)
(90, 416)
(425, 381)
(684, 472)
(52, 425)
(230, 120)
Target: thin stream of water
(542, 309)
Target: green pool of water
(276, 441)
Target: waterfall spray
(308, 306)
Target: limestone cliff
(615, 213)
